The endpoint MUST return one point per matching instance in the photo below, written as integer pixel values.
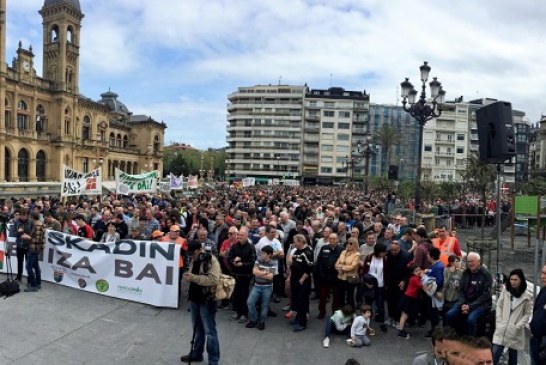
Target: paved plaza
(60, 325)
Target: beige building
(45, 122)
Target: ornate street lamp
(422, 111)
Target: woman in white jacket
(514, 308)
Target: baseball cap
(157, 233)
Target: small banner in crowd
(176, 181)
(136, 184)
(192, 182)
(142, 271)
(81, 183)
(249, 181)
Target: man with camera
(537, 346)
(203, 276)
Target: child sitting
(339, 322)
(360, 327)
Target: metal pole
(499, 230)
(419, 168)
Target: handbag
(354, 279)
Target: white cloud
(199, 48)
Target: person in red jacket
(84, 229)
(410, 300)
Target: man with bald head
(474, 295)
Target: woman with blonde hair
(348, 277)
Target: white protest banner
(192, 182)
(136, 184)
(249, 181)
(81, 183)
(176, 181)
(142, 271)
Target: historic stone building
(45, 122)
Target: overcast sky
(177, 60)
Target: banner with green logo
(136, 184)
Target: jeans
(204, 325)
(497, 353)
(21, 253)
(331, 327)
(33, 270)
(362, 341)
(261, 294)
(453, 317)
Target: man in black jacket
(537, 346)
(241, 258)
(22, 230)
(397, 272)
(326, 270)
(301, 267)
(474, 295)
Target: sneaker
(403, 334)
(396, 325)
(261, 326)
(298, 328)
(242, 319)
(286, 308)
(188, 358)
(235, 317)
(389, 322)
(251, 324)
(350, 342)
(326, 342)
(289, 314)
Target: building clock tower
(61, 25)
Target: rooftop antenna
(280, 79)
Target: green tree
(480, 177)
(387, 136)
(536, 186)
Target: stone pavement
(60, 325)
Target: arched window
(125, 141)
(40, 119)
(70, 34)
(22, 115)
(7, 114)
(112, 140)
(67, 118)
(7, 164)
(22, 165)
(54, 33)
(156, 143)
(118, 141)
(41, 166)
(86, 128)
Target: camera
(205, 256)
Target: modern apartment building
(336, 120)
(265, 131)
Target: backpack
(10, 286)
(225, 287)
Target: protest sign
(81, 183)
(136, 184)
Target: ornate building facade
(45, 122)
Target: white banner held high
(81, 183)
(136, 184)
(142, 271)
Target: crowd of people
(366, 266)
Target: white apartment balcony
(445, 141)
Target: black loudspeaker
(393, 172)
(496, 132)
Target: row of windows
(340, 137)
(332, 113)
(428, 148)
(330, 148)
(23, 158)
(340, 125)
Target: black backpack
(10, 286)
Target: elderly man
(538, 325)
(474, 295)
(327, 273)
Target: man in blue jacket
(537, 346)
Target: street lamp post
(422, 112)
(368, 152)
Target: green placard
(526, 204)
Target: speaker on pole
(496, 132)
